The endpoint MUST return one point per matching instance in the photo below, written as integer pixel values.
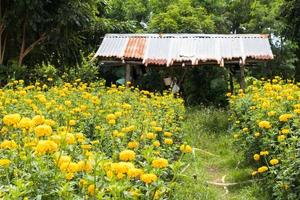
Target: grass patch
(214, 157)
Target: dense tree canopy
(61, 31)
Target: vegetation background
(57, 37)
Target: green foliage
(181, 16)
(45, 71)
(12, 72)
(87, 71)
(290, 15)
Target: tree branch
(39, 40)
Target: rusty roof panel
(135, 48)
(167, 49)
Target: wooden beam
(127, 74)
(231, 80)
(242, 77)
(226, 62)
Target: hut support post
(242, 77)
(231, 80)
(127, 74)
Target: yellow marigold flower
(160, 163)
(11, 119)
(245, 129)
(257, 134)
(120, 175)
(167, 134)
(153, 123)
(38, 119)
(62, 159)
(4, 162)
(228, 94)
(111, 117)
(26, 123)
(112, 122)
(43, 130)
(72, 122)
(8, 144)
(274, 162)
(121, 167)
(82, 182)
(109, 174)
(285, 131)
(95, 142)
(297, 111)
(262, 169)
(264, 124)
(264, 153)
(70, 138)
(127, 155)
(285, 117)
(186, 148)
(69, 167)
(168, 141)
(91, 190)
(79, 136)
(46, 146)
(148, 178)
(150, 136)
(85, 166)
(133, 144)
(281, 138)
(157, 129)
(156, 143)
(134, 172)
(118, 114)
(69, 176)
(4, 130)
(68, 103)
(256, 157)
(271, 113)
(254, 173)
(86, 146)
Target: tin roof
(167, 49)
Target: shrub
(266, 128)
(82, 141)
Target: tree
(180, 16)
(290, 15)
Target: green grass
(214, 157)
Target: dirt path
(215, 167)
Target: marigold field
(266, 126)
(81, 141)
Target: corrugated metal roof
(167, 49)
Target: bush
(13, 72)
(266, 128)
(87, 71)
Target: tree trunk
(25, 51)
(297, 66)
